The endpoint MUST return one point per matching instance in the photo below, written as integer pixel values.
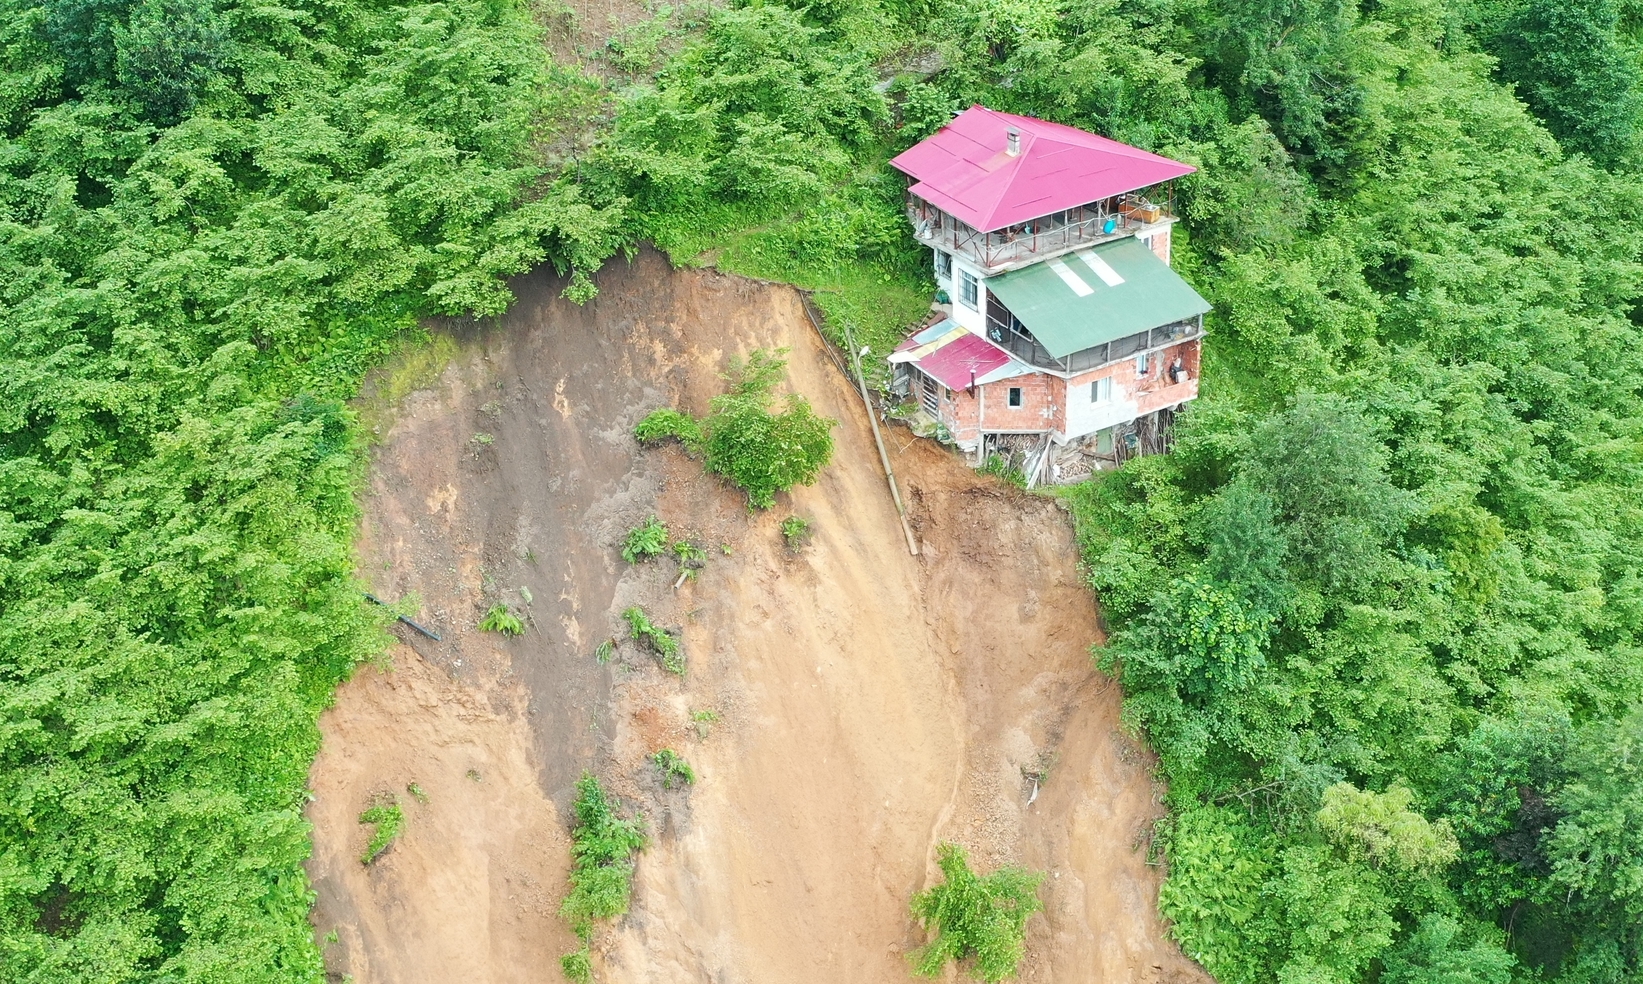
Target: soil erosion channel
(869, 704)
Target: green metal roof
(1084, 298)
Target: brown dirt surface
(870, 704)
(578, 31)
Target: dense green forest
(1380, 612)
(213, 218)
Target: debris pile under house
(1061, 340)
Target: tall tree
(1570, 68)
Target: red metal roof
(965, 360)
(964, 169)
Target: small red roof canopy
(965, 168)
(965, 361)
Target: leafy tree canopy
(213, 218)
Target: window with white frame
(944, 265)
(1101, 389)
(969, 290)
(1141, 364)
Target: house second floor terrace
(1142, 214)
(1089, 309)
(1008, 332)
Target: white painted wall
(975, 320)
(1084, 417)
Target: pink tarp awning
(964, 169)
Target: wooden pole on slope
(873, 419)
(884, 456)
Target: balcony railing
(1042, 238)
(1009, 333)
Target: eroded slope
(871, 704)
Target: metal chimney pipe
(1012, 141)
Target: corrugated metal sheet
(964, 170)
(921, 342)
(1072, 303)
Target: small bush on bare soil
(578, 966)
(971, 914)
(659, 640)
(602, 847)
(999, 466)
(659, 425)
(388, 819)
(689, 554)
(763, 452)
(796, 531)
(674, 768)
(760, 451)
(644, 541)
(500, 619)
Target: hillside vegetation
(1380, 612)
(213, 219)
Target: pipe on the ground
(430, 633)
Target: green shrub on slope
(980, 916)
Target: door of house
(930, 395)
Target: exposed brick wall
(1160, 243)
(1044, 398)
(1041, 400)
(1145, 389)
(1159, 392)
(1040, 408)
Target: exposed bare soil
(871, 704)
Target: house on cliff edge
(1064, 333)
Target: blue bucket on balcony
(1111, 224)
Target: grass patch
(689, 554)
(415, 364)
(877, 301)
(388, 820)
(796, 532)
(665, 423)
(704, 721)
(577, 965)
(985, 917)
(999, 466)
(660, 641)
(501, 619)
(644, 541)
(603, 844)
(675, 770)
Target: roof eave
(988, 224)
